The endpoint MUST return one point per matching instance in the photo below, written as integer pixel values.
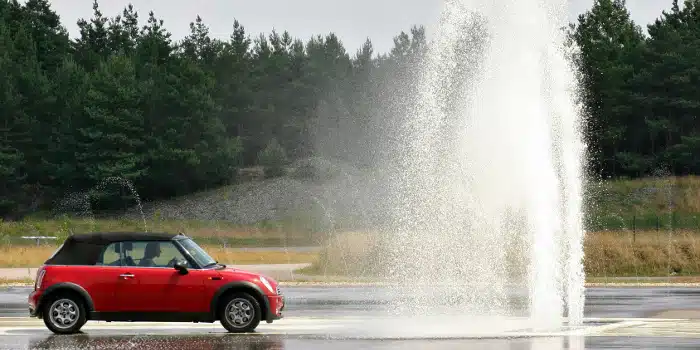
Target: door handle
(126, 276)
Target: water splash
(489, 192)
(76, 203)
(80, 203)
(129, 186)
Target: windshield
(198, 254)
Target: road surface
(351, 318)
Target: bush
(273, 159)
(315, 169)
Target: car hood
(230, 273)
(246, 274)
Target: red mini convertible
(148, 277)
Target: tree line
(172, 117)
(641, 90)
(125, 100)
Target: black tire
(61, 306)
(239, 312)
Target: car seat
(127, 260)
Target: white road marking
(595, 330)
(344, 327)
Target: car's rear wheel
(64, 314)
(241, 313)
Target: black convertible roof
(86, 248)
(109, 237)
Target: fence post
(634, 228)
(658, 232)
(673, 220)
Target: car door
(154, 285)
(103, 280)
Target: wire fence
(645, 222)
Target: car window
(155, 254)
(198, 254)
(110, 256)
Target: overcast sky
(352, 20)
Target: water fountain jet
(490, 189)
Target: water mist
(488, 193)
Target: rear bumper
(276, 303)
(33, 300)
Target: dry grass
(16, 281)
(607, 254)
(237, 257)
(350, 254)
(34, 256)
(647, 253)
(24, 256)
(644, 280)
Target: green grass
(205, 232)
(649, 204)
(644, 204)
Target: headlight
(267, 284)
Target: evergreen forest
(173, 117)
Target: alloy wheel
(240, 312)
(64, 313)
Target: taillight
(39, 278)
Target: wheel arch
(66, 287)
(240, 286)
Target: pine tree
(610, 43)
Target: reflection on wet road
(315, 314)
(275, 342)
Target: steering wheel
(172, 262)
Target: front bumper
(276, 306)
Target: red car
(148, 277)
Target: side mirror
(180, 267)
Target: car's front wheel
(64, 314)
(241, 313)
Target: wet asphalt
(338, 302)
